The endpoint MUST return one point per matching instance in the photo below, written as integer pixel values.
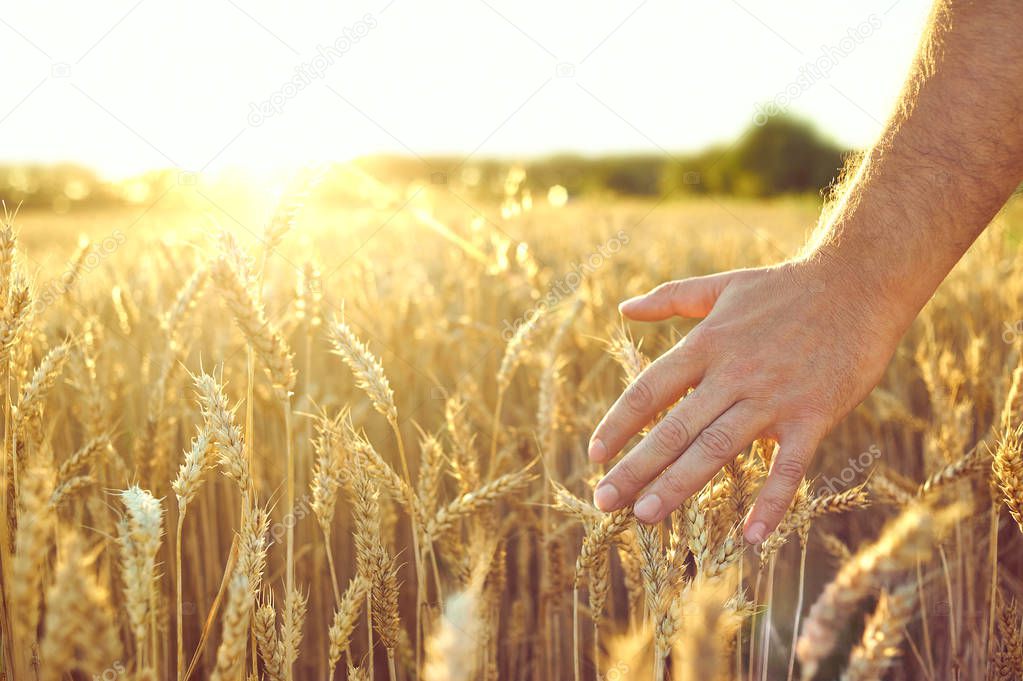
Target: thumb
(692, 297)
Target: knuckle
(626, 476)
(699, 340)
(789, 470)
(811, 412)
(671, 434)
(765, 400)
(815, 410)
(775, 505)
(672, 482)
(742, 369)
(676, 359)
(716, 443)
(638, 396)
(670, 289)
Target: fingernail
(647, 508)
(598, 452)
(605, 496)
(755, 533)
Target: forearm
(948, 158)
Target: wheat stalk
(962, 467)
(464, 459)
(190, 474)
(514, 353)
(291, 626)
(43, 379)
(15, 317)
(184, 302)
(236, 620)
(69, 488)
(83, 457)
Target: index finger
(659, 386)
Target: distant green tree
(785, 155)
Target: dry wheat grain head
(249, 314)
(35, 522)
(1006, 661)
(192, 470)
(139, 532)
(345, 618)
(880, 646)
(81, 633)
(907, 539)
(222, 429)
(1007, 465)
(369, 372)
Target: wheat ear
(224, 431)
(139, 532)
(250, 316)
(264, 628)
(186, 486)
(346, 616)
(906, 540)
(1007, 465)
(882, 637)
(1006, 660)
(471, 502)
(31, 546)
(81, 632)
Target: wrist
(857, 282)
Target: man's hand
(783, 352)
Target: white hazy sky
(128, 85)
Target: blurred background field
(432, 276)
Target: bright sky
(134, 84)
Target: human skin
(786, 351)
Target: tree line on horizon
(783, 156)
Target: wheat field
(296, 440)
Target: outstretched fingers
(672, 435)
(655, 389)
(712, 448)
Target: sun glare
(201, 87)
